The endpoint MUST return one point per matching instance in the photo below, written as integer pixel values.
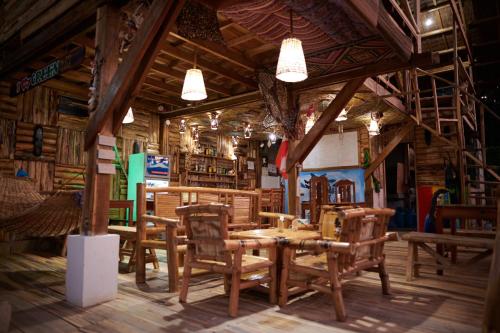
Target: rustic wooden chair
(245, 212)
(360, 247)
(318, 196)
(209, 248)
(345, 190)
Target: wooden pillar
(97, 185)
(293, 207)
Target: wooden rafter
(219, 51)
(388, 149)
(129, 77)
(305, 146)
(390, 65)
(232, 101)
(375, 16)
(168, 71)
(71, 23)
(379, 90)
(209, 66)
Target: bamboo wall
(63, 158)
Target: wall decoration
(48, 72)
(335, 177)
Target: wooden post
(97, 185)
(292, 187)
(458, 113)
(140, 261)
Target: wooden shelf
(213, 157)
(210, 173)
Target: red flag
(281, 158)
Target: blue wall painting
(356, 175)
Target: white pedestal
(92, 269)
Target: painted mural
(336, 178)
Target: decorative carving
(132, 22)
(284, 111)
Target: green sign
(48, 72)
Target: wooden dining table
(276, 233)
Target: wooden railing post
(140, 261)
(172, 257)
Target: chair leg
(234, 296)
(283, 299)
(227, 283)
(156, 264)
(409, 261)
(274, 277)
(384, 278)
(336, 287)
(140, 264)
(185, 277)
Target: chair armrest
(321, 245)
(235, 244)
(277, 215)
(161, 220)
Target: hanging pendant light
(291, 61)
(214, 121)
(247, 132)
(374, 127)
(196, 134)
(194, 86)
(129, 117)
(182, 126)
(340, 120)
(272, 138)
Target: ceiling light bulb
(129, 117)
(194, 86)
(214, 121)
(428, 22)
(247, 132)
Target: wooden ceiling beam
(300, 152)
(219, 51)
(379, 90)
(209, 66)
(128, 79)
(179, 76)
(390, 65)
(167, 87)
(162, 99)
(388, 149)
(376, 17)
(70, 24)
(222, 103)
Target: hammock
(57, 215)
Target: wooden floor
(34, 285)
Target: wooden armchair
(209, 248)
(360, 247)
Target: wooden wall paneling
(7, 168)
(70, 147)
(8, 105)
(7, 138)
(69, 176)
(38, 106)
(73, 122)
(24, 142)
(40, 171)
(430, 159)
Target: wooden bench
(420, 239)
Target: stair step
(441, 108)
(449, 120)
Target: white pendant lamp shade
(291, 62)
(374, 128)
(342, 116)
(194, 86)
(129, 117)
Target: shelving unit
(247, 177)
(211, 171)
